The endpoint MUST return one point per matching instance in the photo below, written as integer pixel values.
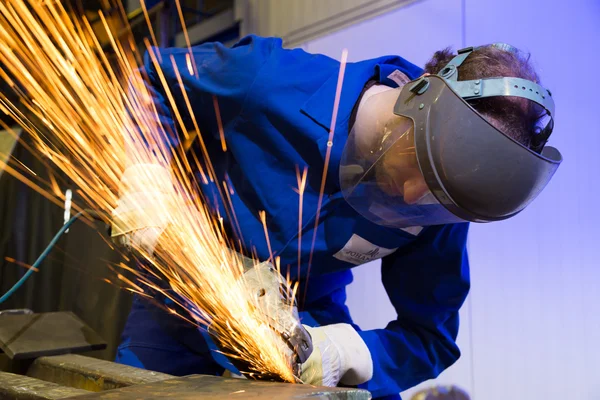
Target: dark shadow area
(72, 277)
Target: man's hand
(142, 211)
(339, 356)
(325, 356)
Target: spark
(336, 104)
(147, 18)
(188, 63)
(187, 38)
(219, 123)
(93, 116)
(229, 193)
(20, 264)
(26, 167)
(263, 220)
(301, 186)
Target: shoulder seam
(258, 72)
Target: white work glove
(339, 356)
(142, 211)
(336, 353)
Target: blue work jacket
(275, 108)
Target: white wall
(531, 325)
(536, 278)
(298, 21)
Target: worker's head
(463, 142)
(514, 116)
(447, 392)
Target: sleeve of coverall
(222, 74)
(427, 283)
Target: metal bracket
(421, 86)
(17, 311)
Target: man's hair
(514, 116)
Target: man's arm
(427, 283)
(214, 74)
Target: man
(411, 162)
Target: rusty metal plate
(91, 374)
(35, 335)
(213, 387)
(19, 387)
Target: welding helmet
(434, 159)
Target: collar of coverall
(383, 73)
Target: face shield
(434, 159)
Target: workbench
(38, 363)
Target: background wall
(531, 326)
(297, 21)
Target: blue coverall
(276, 107)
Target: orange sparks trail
(148, 23)
(20, 263)
(263, 219)
(92, 115)
(336, 104)
(219, 123)
(187, 40)
(301, 186)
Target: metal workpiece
(214, 387)
(28, 339)
(19, 387)
(29, 336)
(90, 373)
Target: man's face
(398, 172)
